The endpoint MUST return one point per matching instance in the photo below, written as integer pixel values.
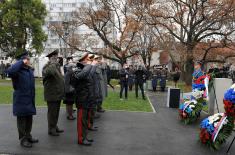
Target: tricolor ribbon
(206, 82)
(187, 104)
(218, 127)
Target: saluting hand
(26, 61)
(94, 62)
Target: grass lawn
(112, 102)
(132, 104)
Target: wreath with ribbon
(190, 108)
(217, 128)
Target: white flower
(210, 121)
(233, 86)
(194, 101)
(215, 117)
(192, 106)
(197, 94)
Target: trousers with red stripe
(82, 124)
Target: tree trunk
(123, 61)
(145, 61)
(149, 60)
(189, 67)
(188, 71)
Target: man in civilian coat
(23, 98)
(124, 76)
(139, 81)
(54, 91)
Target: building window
(54, 41)
(91, 4)
(69, 5)
(53, 5)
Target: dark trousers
(53, 115)
(124, 85)
(24, 125)
(154, 83)
(99, 106)
(82, 124)
(3, 75)
(91, 115)
(141, 85)
(69, 109)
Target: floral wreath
(190, 109)
(217, 128)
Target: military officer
(69, 90)
(83, 83)
(54, 91)
(97, 94)
(156, 76)
(102, 80)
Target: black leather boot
(25, 143)
(33, 140)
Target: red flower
(229, 108)
(204, 136)
(182, 114)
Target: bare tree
(146, 44)
(193, 21)
(113, 22)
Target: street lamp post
(65, 35)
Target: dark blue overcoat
(24, 89)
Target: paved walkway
(120, 133)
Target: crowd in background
(223, 71)
(137, 77)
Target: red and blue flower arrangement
(190, 109)
(217, 128)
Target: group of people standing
(129, 77)
(138, 76)
(159, 77)
(83, 84)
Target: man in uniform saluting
(82, 81)
(54, 91)
(23, 98)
